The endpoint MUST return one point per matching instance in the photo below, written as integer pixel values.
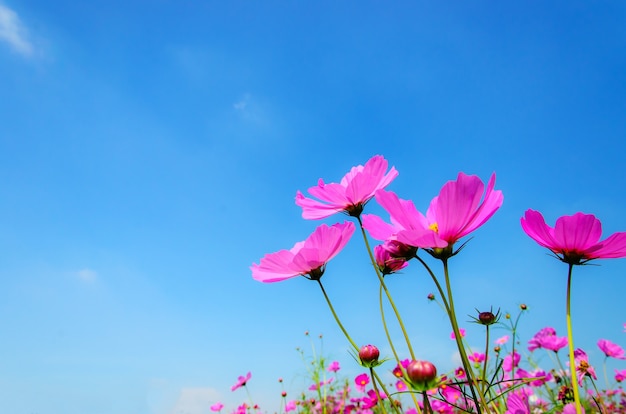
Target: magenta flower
(571, 409)
(241, 381)
(546, 338)
(516, 404)
(476, 357)
(290, 406)
(401, 385)
(620, 375)
(361, 381)
(574, 239)
(453, 214)
(334, 366)
(610, 349)
(307, 258)
(510, 362)
(386, 262)
(217, 406)
(351, 194)
(461, 331)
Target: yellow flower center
(434, 227)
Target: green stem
(356, 348)
(374, 381)
(382, 283)
(570, 340)
(382, 314)
(376, 378)
(459, 342)
(484, 371)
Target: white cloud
(195, 401)
(13, 32)
(87, 275)
(242, 104)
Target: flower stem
(375, 379)
(356, 348)
(382, 314)
(382, 283)
(570, 340)
(459, 342)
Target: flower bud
(368, 355)
(523, 306)
(430, 296)
(422, 375)
(487, 318)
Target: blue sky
(150, 152)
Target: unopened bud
(422, 375)
(368, 355)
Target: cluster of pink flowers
(460, 208)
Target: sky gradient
(150, 152)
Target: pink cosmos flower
(461, 331)
(476, 357)
(217, 406)
(502, 340)
(546, 338)
(453, 214)
(401, 385)
(516, 404)
(307, 258)
(290, 406)
(510, 362)
(241, 381)
(610, 349)
(582, 366)
(620, 375)
(361, 381)
(351, 194)
(334, 366)
(574, 239)
(571, 409)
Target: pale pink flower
(502, 340)
(217, 406)
(241, 381)
(351, 194)
(582, 366)
(401, 385)
(307, 258)
(610, 349)
(574, 239)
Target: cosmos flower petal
(577, 232)
(613, 247)
(574, 237)
(311, 254)
(354, 190)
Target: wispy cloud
(195, 400)
(87, 275)
(13, 32)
